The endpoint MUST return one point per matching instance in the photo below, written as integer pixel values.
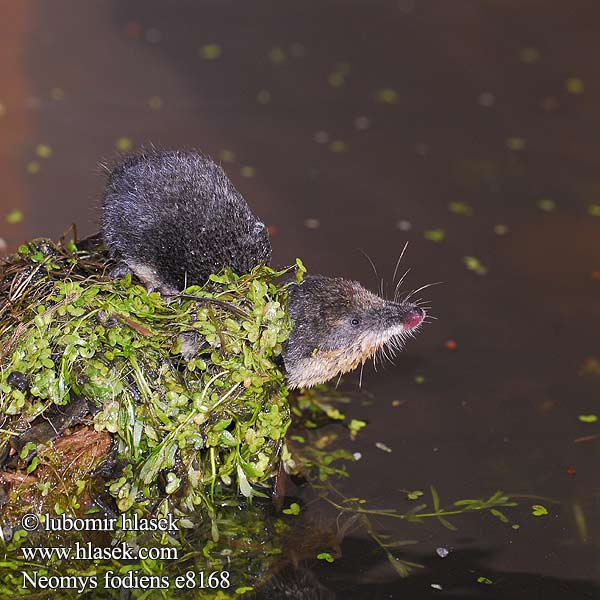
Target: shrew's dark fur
(174, 218)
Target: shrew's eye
(355, 321)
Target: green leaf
(221, 425)
(500, 515)
(325, 556)
(537, 510)
(245, 487)
(300, 271)
(14, 216)
(32, 465)
(294, 509)
(27, 448)
(414, 495)
(355, 425)
(435, 235)
(436, 507)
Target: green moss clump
(189, 386)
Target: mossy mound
(189, 387)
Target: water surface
(468, 129)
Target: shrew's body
(173, 218)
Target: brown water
(480, 111)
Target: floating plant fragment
(325, 556)
(210, 51)
(387, 96)
(435, 235)
(473, 264)
(594, 210)
(515, 143)
(14, 216)
(227, 155)
(355, 426)
(574, 85)
(294, 509)
(499, 515)
(43, 151)
(547, 205)
(414, 495)
(124, 144)
(460, 208)
(277, 55)
(336, 79)
(591, 366)
(243, 590)
(382, 446)
(338, 146)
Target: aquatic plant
(188, 387)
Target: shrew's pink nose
(413, 317)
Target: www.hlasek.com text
(87, 551)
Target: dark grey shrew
(173, 218)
